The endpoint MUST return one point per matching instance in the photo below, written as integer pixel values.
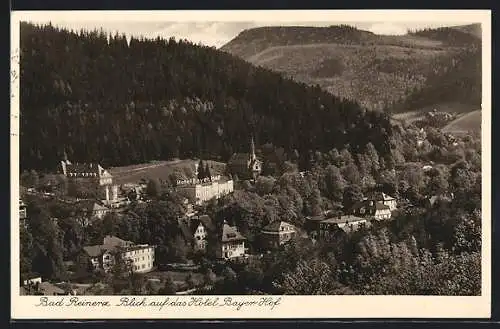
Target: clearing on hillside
(470, 122)
(161, 170)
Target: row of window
(85, 174)
(139, 251)
(143, 266)
(232, 246)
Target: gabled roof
(230, 233)
(206, 221)
(94, 251)
(113, 241)
(98, 207)
(381, 206)
(81, 168)
(380, 196)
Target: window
(143, 266)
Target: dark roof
(206, 221)
(379, 196)
(275, 226)
(94, 251)
(316, 218)
(110, 243)
(230, 233)
(343, 219)
(381, 206)
(81, 168)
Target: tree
(207, 172)
(312, 277)
(351, 174)
(153, 188)
(201, 170)
(47, 243)
(169, 287)
(352, 195)
(335, 183)
(264, 185)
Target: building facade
(346, 223)
(91, 174)
(197, 231)
(369, 208)
(245, 165)
(383, 199)
(231, 244)
(204, 191)
(140, 257)
(277, 233)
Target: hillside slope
(377, 71)
(100, 98)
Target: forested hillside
(377, 71)
(102, 98)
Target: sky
(217, 34)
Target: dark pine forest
(102, 98)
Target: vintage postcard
(251, 164)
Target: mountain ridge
(378, 71)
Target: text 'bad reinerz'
(230, 302)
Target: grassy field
(470, 122)
(160, 170)
(418, 114)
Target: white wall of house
(142, 259)
(200, 238)
(383, 214)
(233, 249)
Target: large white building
(205, 189)
(140, 257)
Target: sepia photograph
(215, 157)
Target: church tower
(253, 157)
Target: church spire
(252, 148)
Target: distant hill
(377, 71)
(119, 102)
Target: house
(197, 230)
(383, 199)
(312, 225)
(36, 286)
(140, 257)
(277, 233)
(231, 244)
(377, 210)
(92, 209)
(444, 197)
(245, 165)
(202, 189)
(347, 223)
(88, 173)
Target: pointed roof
(230, 233)
(98, 207)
